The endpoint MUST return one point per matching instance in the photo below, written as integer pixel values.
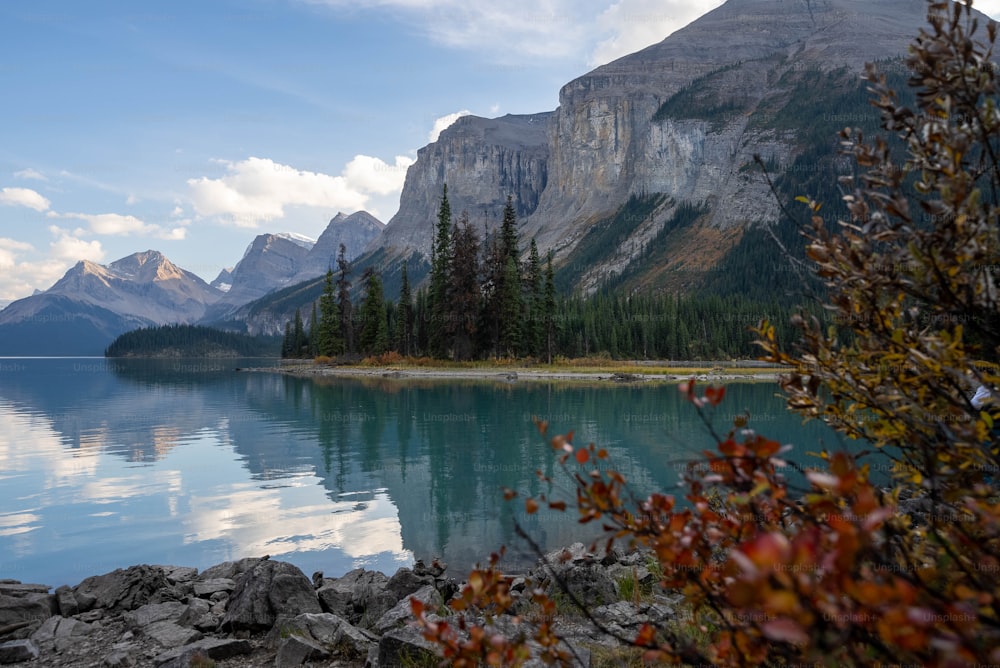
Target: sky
(192, 126)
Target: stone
(122, 589)
(334, 633)
(360, 596)
(154, 612)
(404, 582)
(295, 651)
(119, 658)
(16, 651)
(31, 608)
(61, 627)
(217, 649)
(269, 589)
(170, 635)
(198, 615)
(229, 569)
(402, 612)
(405, 647)
(205, 588)
(178, 574)
(18, 589)
(67, 602)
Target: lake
(109, 463)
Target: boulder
(179, 574)
(402, 612)
(61, 627)
(170, 635)
(15, 588)
(270, 589)
(333, 633)
(119, 658)
(67, 601)
(405, 647)
(360, 596)
(229, 569)
(154, 612)
(199, 615)
(405, 582)
(217, 649)
(295, 651)
(205, 588)
(123, 589)
(30, 608)
(16, 651)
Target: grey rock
(119, 658)
(154, 612)
(404, 582)
(402, 613)
(199, 615)
(295, 651)
(179, 574)
(334, 633)
(16, 651)
(404, 647)
(217, 649)
(123, 589)
(205, 588)
(61, 627)
(269, 589)
(360, 596)
(170, 635)
(31, 608)
(229, 569)
(67, 602)
(18, 589)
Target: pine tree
(510, 310)
(299, 342)
(344, 306)
(420, 324)
(549, 309)
(374, 336)
(313, 331)
(404, 342)
(463, 289)
(440, 266)
(533, 326)
(286, 342)
(329, 341)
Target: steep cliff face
(606, 141)
(482, 161)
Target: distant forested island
(191, 341)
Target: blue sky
(192, 126)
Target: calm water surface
(109, 463)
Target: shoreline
(513, 374)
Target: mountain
(676, 124)
(355, 231)
(269, 262)
(92, 304)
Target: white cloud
(32, 174)
(636, 24)
(116, 224)
(257, 190)
(23, 197)
(442, 124)
(74, 249)
(20, 275)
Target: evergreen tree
(344, 306)
(287, 342)
(549, 309)
(300, 344)
(533, 304)
(510, 310)
(508, 232)
(329, 341)
(440, 266)
(463, 289)
(404, 343)
(420, 323)
(313, 331)
(374, 336)
(493, 266)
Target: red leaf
(530, 506)
(417, 607)
(557, 505)
(715, 394)
(582, 456)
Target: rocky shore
(261, 612)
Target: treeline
(190, 341)
(483, 302)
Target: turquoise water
(109, 463)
